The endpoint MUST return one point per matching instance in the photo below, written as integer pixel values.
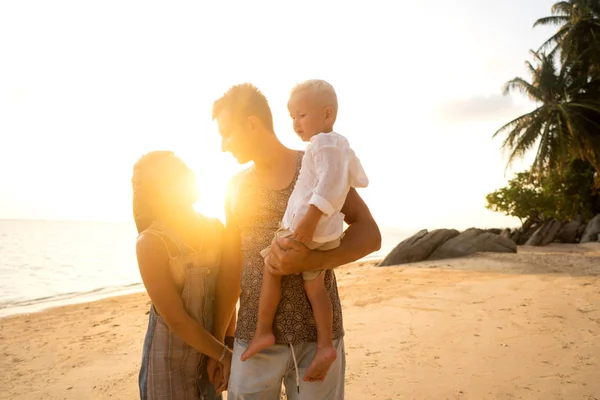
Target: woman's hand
(213, 369)
(224, 370)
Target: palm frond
(530, 67)
(589, 107)
(555, 39)
(514, 122)
(553, 20)
(524, 87)
(523, 140)
(562, 7)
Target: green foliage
(565, 176)
(560, 196)
(522, 198)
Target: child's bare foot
(258, 343)
(324, 357)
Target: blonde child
(313, 215)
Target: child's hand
(305, 230)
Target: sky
(86, 88)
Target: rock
(592, 230)
(569, 232)
(581, 229)
(545, 234)
(528, 233)
(473, 241)
(492, 230)
(506, 233)
(524, 233)
(418, 247)
(516, 236)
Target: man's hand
(288, 257)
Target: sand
(489, 326)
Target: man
(257, 201)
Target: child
(313, 215)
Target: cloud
(481, 108)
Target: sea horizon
(51, 263)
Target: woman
(178, 254)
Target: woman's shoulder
(155, 243)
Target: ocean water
(49, 263)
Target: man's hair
(321, 89)
(242, 101)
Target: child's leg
(270, 294)
(323, 313)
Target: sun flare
(212, 187)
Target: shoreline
(64, 299)
(27, 307)
(40, 305)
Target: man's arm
(361, 238)
(230, 332)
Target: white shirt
(329, 169)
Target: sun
(213, 169)
(212, 187)
(212, 206)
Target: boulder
(516, 236)
(492, 230)
(473, 241)
(592, 230)
(569, 232)
(418, 247)
(545, 234)
(528, 233)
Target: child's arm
(329, 194)
(305, 230)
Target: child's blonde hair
(321, 89)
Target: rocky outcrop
(492, 230)
(507, 233)
(523, 234)
(447, 243)
(592, 231)
(418, 247)
(570, 232)
(473, 241)
(545, 234)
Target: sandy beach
(489, 326)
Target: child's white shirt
(329, 169)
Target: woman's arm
(153, 261)
(228, 284)
(361, 238)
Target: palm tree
(578, 36)
(564, 128)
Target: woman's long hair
(150, 175)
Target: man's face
(236, 137)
